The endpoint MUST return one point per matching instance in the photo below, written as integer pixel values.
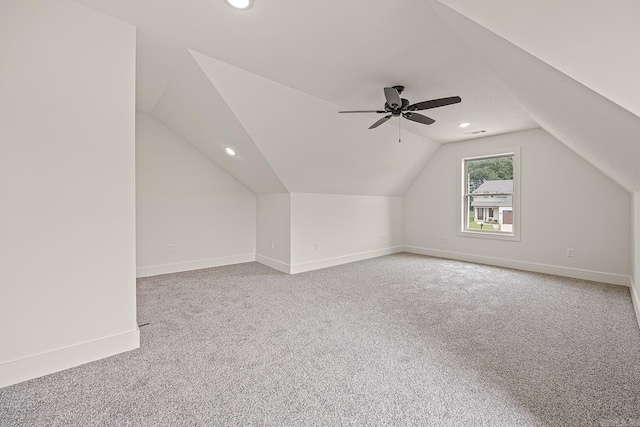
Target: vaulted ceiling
(570, 64)
(590, 41)
(270, 80)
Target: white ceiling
(305, 61)
(193, 108)
(591, 41)
(337, 154)
(598, 129)
(277, 74)
(341, 52)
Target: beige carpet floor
(401, 340)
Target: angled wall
(300, 232)
(67, 279)
(273, 231)
(330, 229)
(565, 203)
(191, 214)
(635, 283)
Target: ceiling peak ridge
(192, 108)
(194, 55)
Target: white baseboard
(38, 365)
(178, 267)
(635, 298)
(345, 259)
(576, 273)
(269, 262)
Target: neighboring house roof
(496, 186)
(492, 202)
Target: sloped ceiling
(214, 105)
(336, 154)
(193, 108)
(304, 61)
(594, 42)
(277, 74)
(602, 132)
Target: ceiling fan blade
(393, 97)
(363, 111)
(379, 122)
(434, 103)
(415, 117)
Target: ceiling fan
(396, 106)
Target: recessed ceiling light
(464, 124)
(230, 151)
(240, 4)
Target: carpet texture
(402, 340)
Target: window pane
(489, 194)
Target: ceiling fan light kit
(395, 106)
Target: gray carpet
(398, 340)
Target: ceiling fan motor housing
(396, 107)
(397, 110)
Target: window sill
(490, 235)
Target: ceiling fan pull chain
(399, 126)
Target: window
(489, 202)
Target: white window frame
(462, 192)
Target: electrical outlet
(273, 245)
(317, 246)
(170, 247)
(446, 239)
(571, 252)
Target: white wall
(635, 283)
(273, 231)
(68, 187)
(565, 202)
(347, 228)
(186, 200)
